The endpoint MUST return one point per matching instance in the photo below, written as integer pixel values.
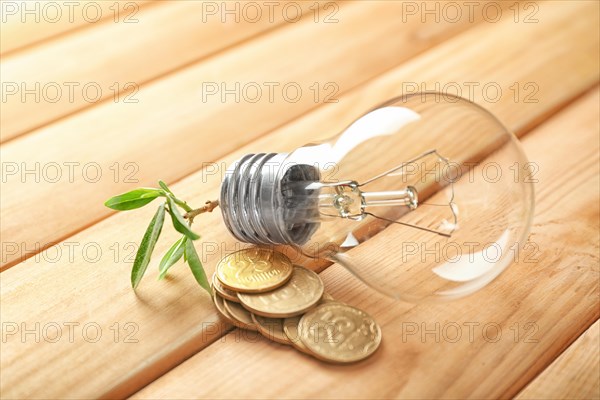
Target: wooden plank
(176, 318)
(179, 33)
(29, 23)
(575, 374)
(532, 312)
(186, 131)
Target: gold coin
(290, 328)
(222, 290)
(220, 305)
(302, 292)
(242, 318)
(254, 270)
(340, 333)
(271, 328)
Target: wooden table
(111, 96)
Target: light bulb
(434, 184)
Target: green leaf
(179, 222)
(164, 187)
(171, 195)
(142, 258)
(171, 257)
(196, 265)
(134, 199)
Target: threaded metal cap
(265, 201)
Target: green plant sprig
(183, 247)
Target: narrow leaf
(164, 187)
(196, 265)
(171, 257)
(134, 199)
(142, 258)
(179, 222)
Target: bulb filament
(349, 201)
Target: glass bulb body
(437, 189)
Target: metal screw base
(265, 201)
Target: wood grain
(178, 33)
(574, 374)
(20, 29)
(516, 328)
(176, 319)
(172, 125)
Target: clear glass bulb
(434, 185)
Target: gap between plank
(73, 30)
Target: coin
(290, 328)
(340, 333)
(220, 305)
(271, 328)
(302, 292)
(241, 316)
(223, 291)
(254, 270)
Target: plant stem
(180, 203)
(208, 207)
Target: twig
(210, 205)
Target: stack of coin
(260, 289)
